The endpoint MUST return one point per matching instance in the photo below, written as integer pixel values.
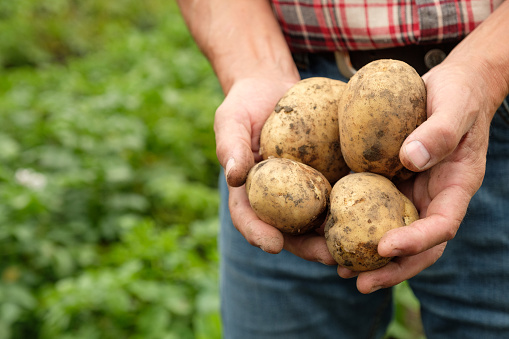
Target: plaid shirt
(328, 25)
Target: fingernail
(374, 289)
(417, 153)
(229, 166)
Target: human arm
(245, 46)
(464, 92)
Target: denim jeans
(465, 294)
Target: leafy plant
(407, 320)
(108, 175)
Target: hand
(449, 151)
(238, 124)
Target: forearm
(486, 52)
(240, 38)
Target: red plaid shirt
(328, 25)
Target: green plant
(406, 323)
(108, 174)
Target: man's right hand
(238, 124)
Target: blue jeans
(465, 294)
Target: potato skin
(304, 127)
(381, 105)
(288, 195)
(363, 207)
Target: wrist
(484, 54)
(232, 70)
(241, 39)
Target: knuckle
(449, 138)
(449, 233)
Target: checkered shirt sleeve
(329, 25)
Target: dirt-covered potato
(304, 127)
(288, 195)
(381, 105)
(363, 207)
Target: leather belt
(421, 57)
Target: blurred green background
(108, 175)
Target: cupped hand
(449, 152)
(238, 123)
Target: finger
(440, 134)
(345, 273)
(256, 232)
(398, 270)
(445, 213)
(312, 247)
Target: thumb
(439, 135)
(233, 145)
(238, 123)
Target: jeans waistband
(421, 57)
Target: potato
(288, 195)
(363, 207)
(304, 127)
(381, 105)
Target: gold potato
(288, 195)
(304, 127)
(381, 105)
(363, 207)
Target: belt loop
(344, 64)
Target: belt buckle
(344, 64)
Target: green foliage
(154, 283)
(108, 174)
(407, 319)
